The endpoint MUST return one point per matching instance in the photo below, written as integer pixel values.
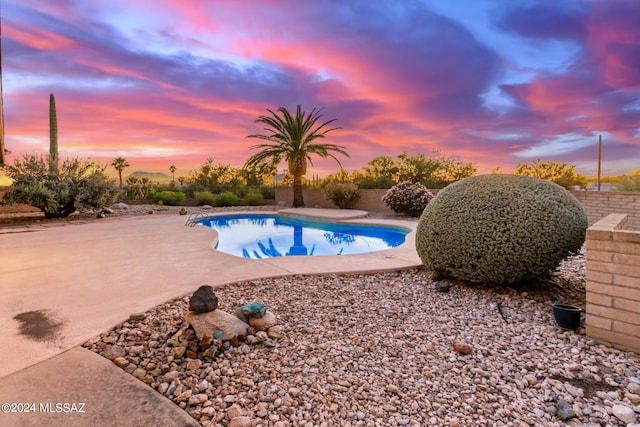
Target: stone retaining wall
(613, 283)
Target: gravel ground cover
(387, 349)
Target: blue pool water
(268, 236)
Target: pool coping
(311, 214)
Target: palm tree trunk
(298, 200)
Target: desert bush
(628, 183)
(167, 197)
(254, 199)
(267, 191)
(76, 185)
(342, 194)
(407, 198)
(500, 229)
(204, 198)
(225, 199)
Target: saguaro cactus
(53, 136)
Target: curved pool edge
(403, 256)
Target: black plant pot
(567, 316)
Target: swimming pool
(268, 236)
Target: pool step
(193, 218)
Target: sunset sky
(173, 82)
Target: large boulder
(203, 300)
(207, 324)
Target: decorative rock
(240, 315)
(99, 215)
(214, 321)
(574, 391)
(462, 348)
(203, 300)
(565, 410)
(633, 388)
(178, 352)
(624, 413)
(140, 373)
(234, 411)
(263, 323)
(205, 342)
(531, 379)
(240, 422)
(120, 206)
(137, 316)
(391, 388)
(207, 207)
(170, 376)
(442, 286)
(255, 309)
(113, 352)
(121, 362)
(107, 211)
(275, 332)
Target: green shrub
(628, 183)
(383, 182)
(407, 198)
(172, 198)
(225, 199)
(76, 185)
(500, 229)
(254, 199)
(204, 198)
(342, 194)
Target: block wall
(613, 283)
(599, 204)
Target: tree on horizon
(291, 138)
(120, 164)
(172, 169)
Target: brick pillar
(613, 283)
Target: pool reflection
(252, 236)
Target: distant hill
(153, 176)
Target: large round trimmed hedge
(500, 229)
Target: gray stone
(203, 300)
(565, 410)
(120, 206)
(207, 207)
(443, 286)
(240, 315)
(213, 321)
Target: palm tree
(120, 163)
(292, 139)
